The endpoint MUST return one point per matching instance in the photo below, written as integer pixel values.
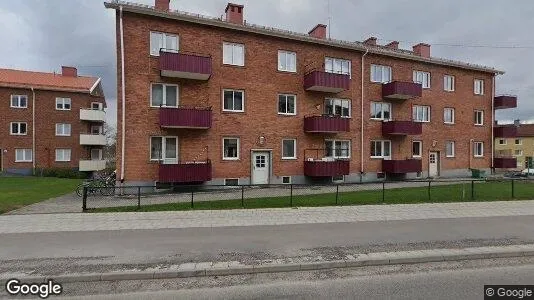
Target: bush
(60, 173)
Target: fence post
(337, 193)
(243, 196)
(192, 197)
(291, 196)
(383, 192)
(513, 189)
(429, 183)
(472, 190)
(138, 197)
(84, 201)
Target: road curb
(357, 260)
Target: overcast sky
(43, 35)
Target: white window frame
(238, 148)
(164, 148)
(520, 152)
(334, 155)
(63, 102)
(283, 177)
(100, 154)
(382, 143)
(63, 151)
(422, 77)
(520, 142)
(383, 78)
(420, 149)
(164, 100)
(18, 128)
(453, 148)
(452, 115)
(477, 123)
(242, 99)
(63, 126)
(101, 105)
(381, 104)
(503, 142)
(163, 42)
(286, 102)
(338, 102)
(415, 113)
(475, 148)
(294, 150)
(287, 56)
(233, 60)
(18, 99)
(478, 87)
(25, 159)
(226, 181)
(331, 62)
(449, 84)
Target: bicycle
(106, 186)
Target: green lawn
(16, 192)
(484, 191)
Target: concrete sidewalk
(258, 217)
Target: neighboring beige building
(517, 142)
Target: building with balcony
(261, 98)
(514, 145)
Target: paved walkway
(243, 217)
(70, 203)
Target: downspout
(361, 117)
(493, 124)
(34, 156)
(123, 98)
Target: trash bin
(476, 173)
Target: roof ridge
(48, 73)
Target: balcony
(402, 128)
(183, 65)
(326, 168)
(92, 165)
(402, 166)
(505, 162)
(183, 117)
(92, 115)
(504, 102)
(185, 172)
(92, 140)
(321, 81)
(326, 124)
(402, 90)
(505, 131)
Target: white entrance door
(433, 164)
(260, 167)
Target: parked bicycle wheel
(79, 190)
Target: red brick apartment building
(50, 120)
(222, 101)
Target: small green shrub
(60, 173)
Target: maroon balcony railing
(185, 65)
(402, 128)
(505, 101)
(402, 90)
(402, 166)
(319, 168)
(185, 172)
(505, 131)
(505, 162)
(185, 117)
(326, 124)
(326, 82)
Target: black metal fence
(132, 198)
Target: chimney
(393, 45)
(319, 31)
(162, 5)
(370, 41)
(517, 122)
(69, 71)
(234, 13)
(422, 50)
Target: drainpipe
(361, 115)
(492, 123)
(471, 146)
(123, 99)
(34, 155)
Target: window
(337, 65)
(289, 149)
(233, 54)
(164, 149)
(231, 181)
(63, 129)
(381, 149)
(19, 128)
(448, 83)
(519, 142)
(518, 153)
(479, 87)
(97, 129)
(337, 149)
(478, 149)
(421, 113)
(417, 149)
(448, 115)
(338, 179)
(230, 148)
(164, 95)
(380, 111)
(97, 106)
(423, 78)
(286, 179)
(380, 73)
(479, 117)
(63, 154)
(19, 101)
(287, 105)
(287, 61)
(63, 103)
(449, 149)
(162, 41)
(337, 107)
(23, 155)
(96, 154)
(233, 100)
(502, 142)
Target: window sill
(289, 159)
(446, 123)
(287, 72)
(23, 161)
(233, 66)
(287, 115)
(233, 111)
(450, 157)
(230, 159)
(12, 134)
(417, 157)
(479, 125)
(15, 107)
